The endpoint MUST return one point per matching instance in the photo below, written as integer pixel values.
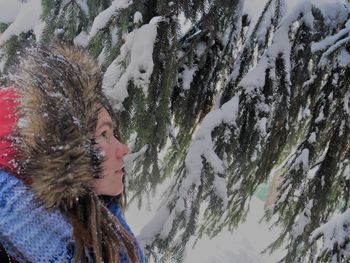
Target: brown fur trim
(59, 88)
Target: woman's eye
(104, 134)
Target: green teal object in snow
(261, 191)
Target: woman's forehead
(104, 118)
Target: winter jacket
(31, 233)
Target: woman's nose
(122, 149)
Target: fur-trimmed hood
(59, 89)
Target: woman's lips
(119, 172)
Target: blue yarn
(30, 232)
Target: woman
(65, 150)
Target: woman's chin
(117, 191)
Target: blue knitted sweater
(31, 233)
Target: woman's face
(113, 151)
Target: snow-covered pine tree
(284, 110)
(221, 107)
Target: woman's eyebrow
(106, 123)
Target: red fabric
(9, 101)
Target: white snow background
(242, 246)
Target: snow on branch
(302, 220)
(9, 10)
(83, 6)
(201, 147)
(102, 18)
(135, 63)
(27, 19)
(334, 48)
(330, 40)
(335, 233)
(334, 42)
(281, 45)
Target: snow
(167, 225)
(220, 189)
(302, 220)
(330, 96)
(200, 48)
(255, 78)
(310, 81)
(202, 145)
(242, 246)
(346, 103)
(102, 57)
(58, 31)
(187, 77)
(336, 230)
(137, 51)
(261, 125)
(149, 229)
(230, 110)
(253, 9)
(342, 128)
(343, 58)
(320, 116)
(9, 10)
(323, 153)
(82, 39)
(38, 30)
(130, 158)
(137, 17)
(302, 160)
(239, 250)
(28, 18)
(312, 137)
(185, 24)
(114, 35)
(283, 196)
(328, 41)
(346, 172)
(153, 217)
(102, 18)
(334, 11)
(83, 5)
(312, 172)
(333, 48)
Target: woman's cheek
(103, 153)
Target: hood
(59, 90)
